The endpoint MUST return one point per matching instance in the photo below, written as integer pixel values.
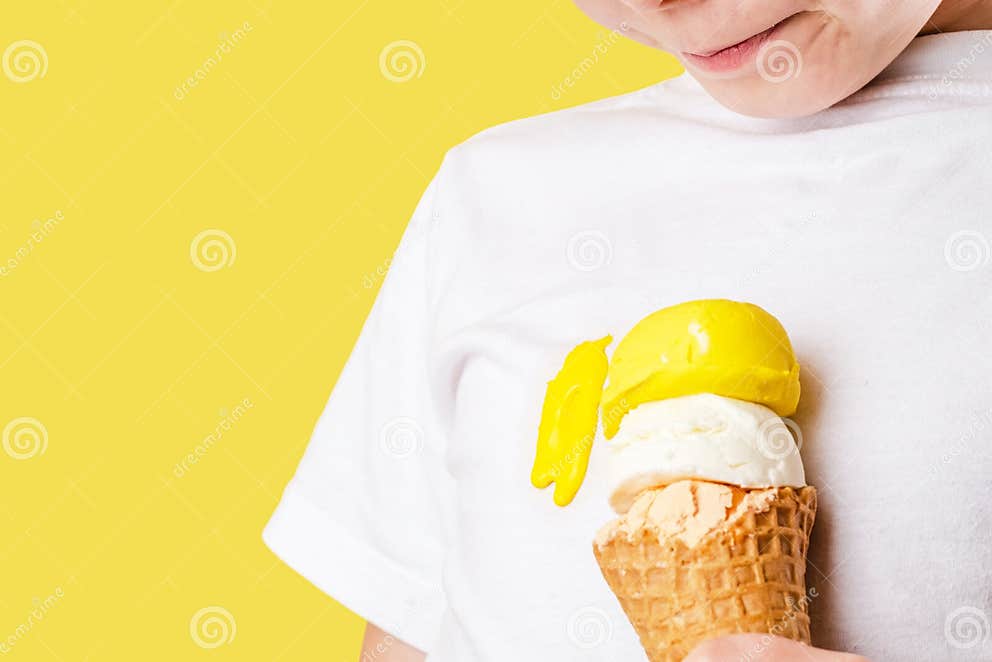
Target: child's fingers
(764, 648)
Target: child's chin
(759, 98)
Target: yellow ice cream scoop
(733, 349)
(569, 419)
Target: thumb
(763, 648)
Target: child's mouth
(732, 57)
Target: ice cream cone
(746, 575)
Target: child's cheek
(610, 13)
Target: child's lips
(732, 57)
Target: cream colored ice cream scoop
(704, 437)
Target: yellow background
(298, 146)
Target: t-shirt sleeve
(361, 518)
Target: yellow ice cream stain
(568, 420)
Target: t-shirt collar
(954, 56)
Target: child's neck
(958, 15)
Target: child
(819, 159)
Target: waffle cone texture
(749, 576)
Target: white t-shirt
(865, 229)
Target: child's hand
(763, 648)
(381, 646)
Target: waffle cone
(749, 576)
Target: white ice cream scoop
(703, 436)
